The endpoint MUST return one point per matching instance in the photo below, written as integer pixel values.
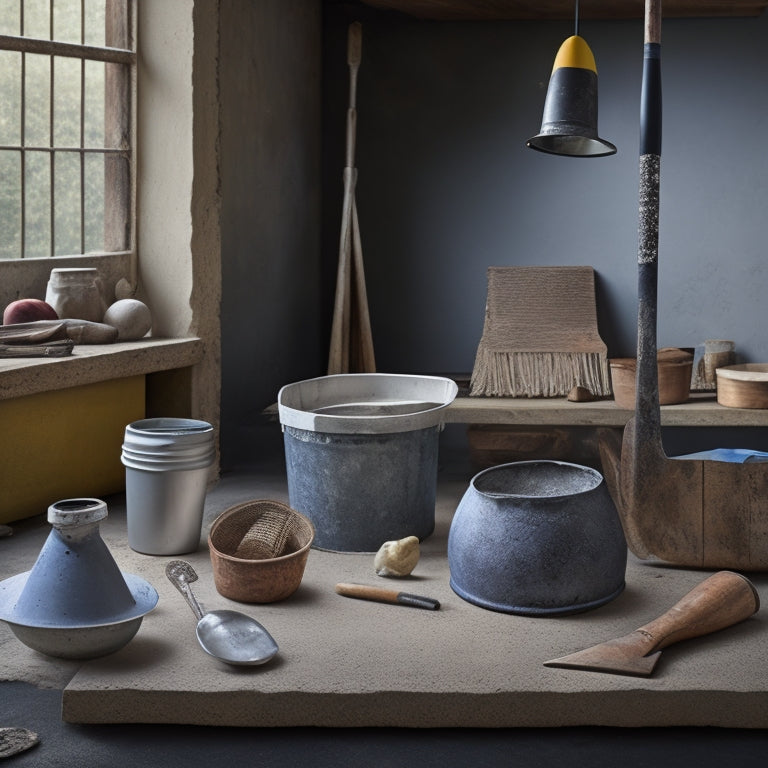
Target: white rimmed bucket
(166, 477)
(361, 455)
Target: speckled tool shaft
(647, 406)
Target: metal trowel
(724, 599)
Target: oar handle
(381, 595)
(725, 598)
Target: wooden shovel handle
(725, 598)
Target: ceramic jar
(537, 538)
(76, 293)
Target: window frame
(119, 148)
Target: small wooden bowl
(743, 386)
(258, 580)
(675, 367)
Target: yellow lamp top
(575, 52)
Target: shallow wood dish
(743, 386)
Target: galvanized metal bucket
(361, 455)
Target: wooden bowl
(675, 367)
(242, 572)
(743, 386)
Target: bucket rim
(299, 402)
(166, 426)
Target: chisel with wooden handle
(720, 601)
(381, 595)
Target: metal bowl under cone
(75, 603)
(67, 639)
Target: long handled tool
(694, 512)
(351, 348)
(724, 599)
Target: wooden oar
(351, 345)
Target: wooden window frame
(119, 148)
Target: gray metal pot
(537, 538)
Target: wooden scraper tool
(720, 601)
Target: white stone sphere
(131, 317)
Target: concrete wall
(270, 184)
(178, 194)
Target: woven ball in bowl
(242, 541)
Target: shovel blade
(624, 656)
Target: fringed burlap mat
(540, 336)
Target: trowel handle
(725, 598)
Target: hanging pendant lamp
(569, 124)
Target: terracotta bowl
(675, 367)
(240, 542)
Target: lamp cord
(576, 23)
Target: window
(67, 74)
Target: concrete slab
(346, 662)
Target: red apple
(28, 311)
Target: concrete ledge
(90, 363)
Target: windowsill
(90, 363)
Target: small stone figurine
(397, 558)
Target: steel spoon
(230, 636)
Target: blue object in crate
(732, 455)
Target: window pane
(93, 129)
(94, 203)
(10, 20)
(37, 19)
(66, 21)
(94, 22)
(66, 203)
(10, 205)
(54, 198)
(37, 226)
(37, 110)
(10, 88)
(66, 102)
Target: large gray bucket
(361, 455)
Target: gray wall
(447, 188)
(269, 69)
